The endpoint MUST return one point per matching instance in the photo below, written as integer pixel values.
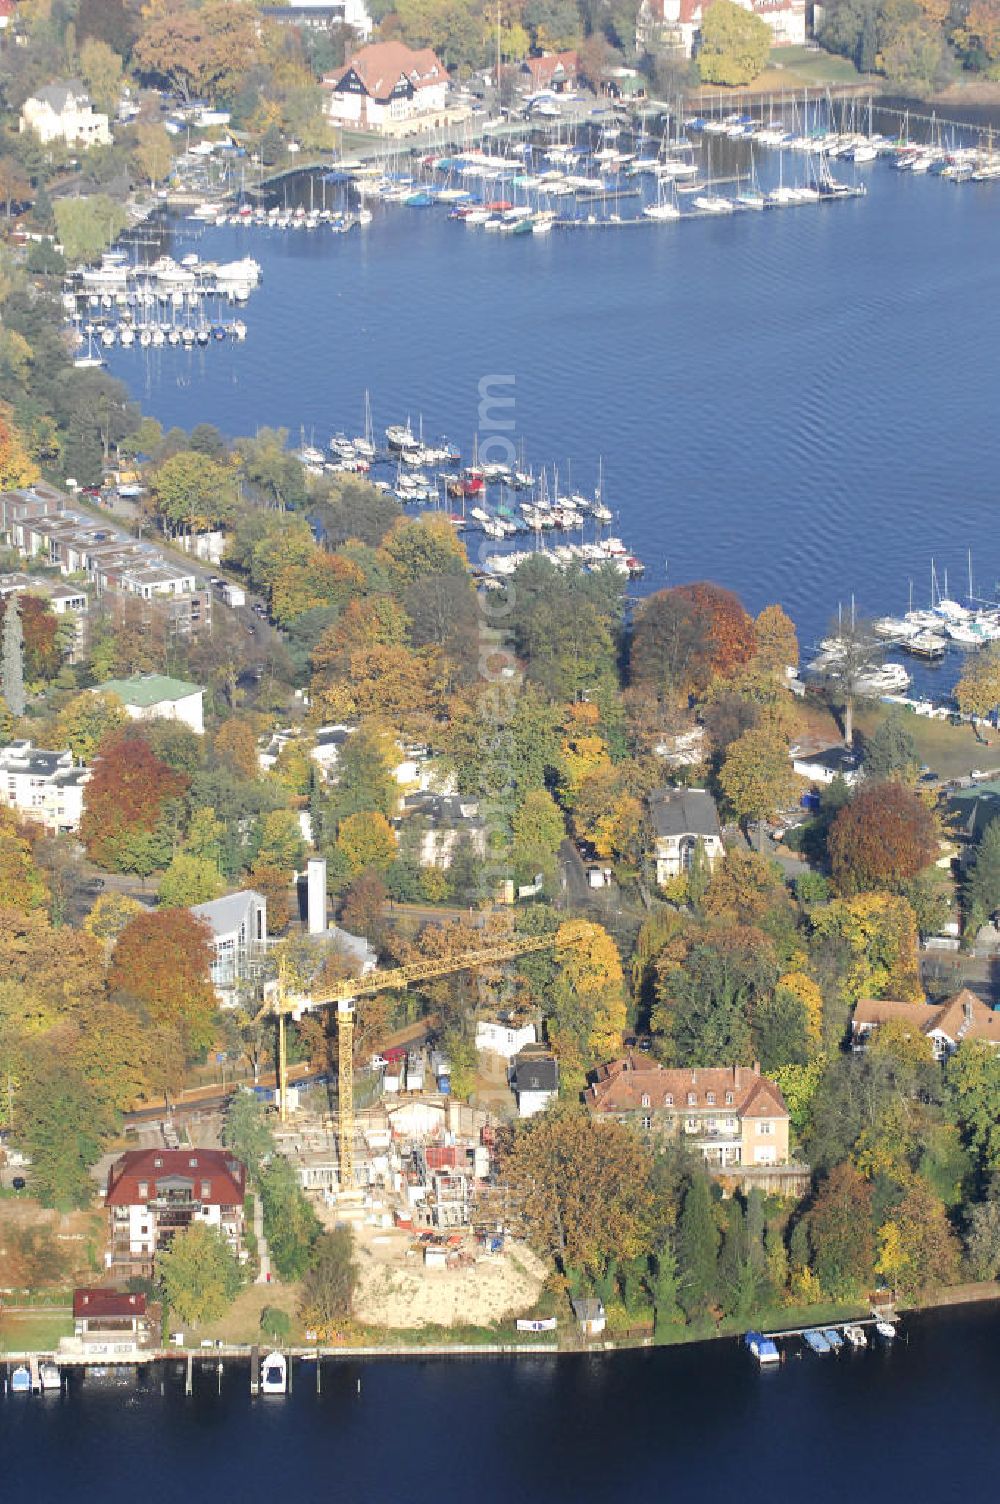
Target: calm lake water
(915, 1422)
(801, 404)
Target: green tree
(841, 1233)
(977, 692)
(698, 1248)
(757, 776)
(734, 45)
(189, 880)
(193, 492)
(290, 1224)
(65, 1125)
(973, 1078)
(329, 1282)
(982, 881)
(198, 1275)
(85, 720)
(275, 1323)
(87, 226)
(891, 751)
(247, 1132)
(101, 71)
(539, 830)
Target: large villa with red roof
(153, 1193)
(733, 1115)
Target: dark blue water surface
(800, 404)
(916, 1422)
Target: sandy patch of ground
(396, 1289)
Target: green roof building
(149, 697)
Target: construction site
(410, 1168)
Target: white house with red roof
(154, 1193)
(385, 84)
(677, 23)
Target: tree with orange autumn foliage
(881, 839)
(324, 580)
(728, 626)
(124, 804)
(235, 745)
(17, 468)
(161, 960)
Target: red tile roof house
(386, 83)
(963, 1016)
(113, 1320)
(153, 1193)
(553, 70)
(735, 1117)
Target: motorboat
(49, 1378)
(762, 1348)
(834, 1338)
(816, 1341)
(20, 1380)
(274, 1374)
(886, 1330)
(855, 1336)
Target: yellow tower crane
(343, 995)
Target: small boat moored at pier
(274, 1374)
(762, 1348)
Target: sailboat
(365, 448)
(90, 361)
(664, 209)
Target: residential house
(237, 927)
(553, 70)
(151, 697)
(322, 16)
(971, 809)
(823, 763)
(732, 1115)
(963, 1016)
(680, 818)
(63, 112)
(154, 1193)
(69, 601)
(110, 1322)
(590, 1315)
(387, 84)
(46, 787)
(534, 1080)
(501, 1037)
(8, 12)
(675, 25)
(437, 823)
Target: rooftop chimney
(316, 895)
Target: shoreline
(981, 1293)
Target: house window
(710, 1098)
(764, 1127)
(668, 1100)
(730, 1125)
(729, 1099)
(157, 1163)
(647, 1122)
(193, 1163)
(692, 1099)
(206, 1189)
(143, 1189)
(645, 1100)
(691, 1126)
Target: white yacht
(274, 1374)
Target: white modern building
(46, 787)
(150, 697)
(238, 938)
(63, 112)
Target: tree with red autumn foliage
(161, 961)
(125, 803)
(688, 633)
(729, 628)
(39, 628)
(881, 839)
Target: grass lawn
(24, 1331)
(952, 751)
(814, 67)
